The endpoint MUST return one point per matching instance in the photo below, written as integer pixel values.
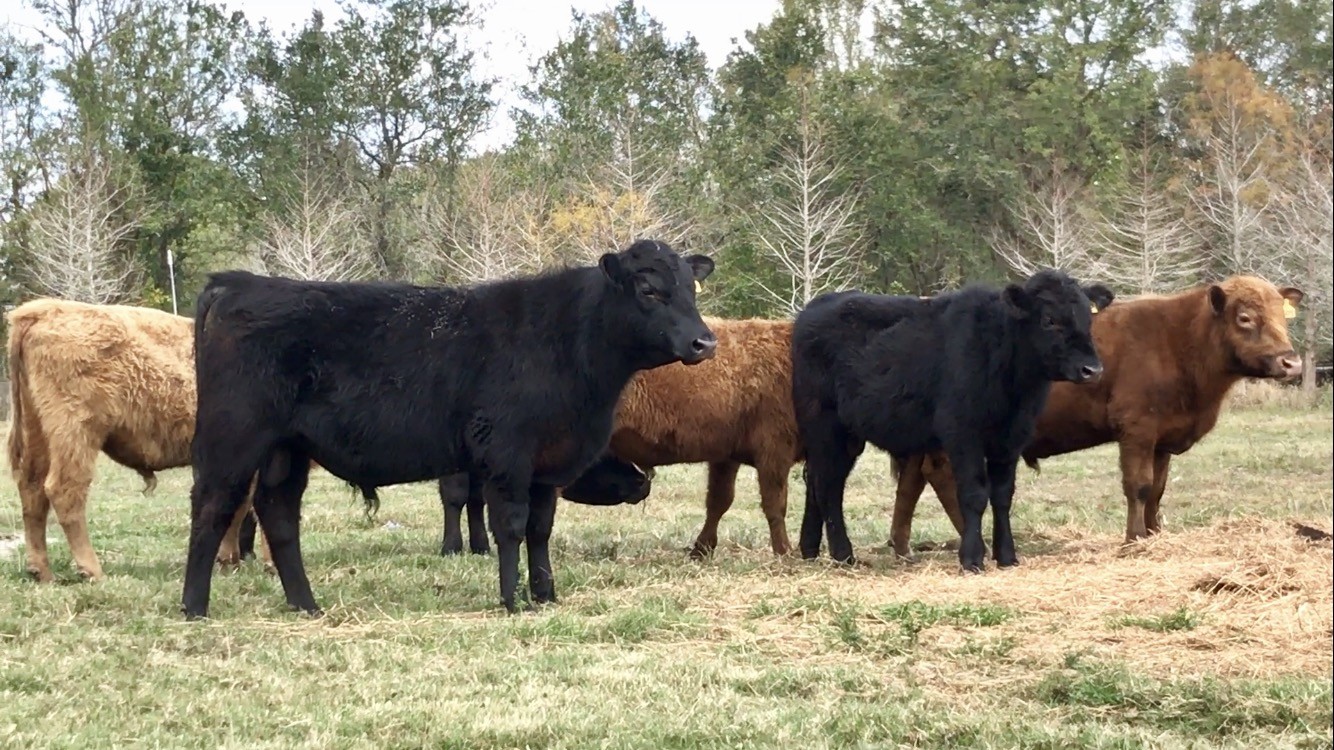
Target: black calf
(966, 371)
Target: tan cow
(86, 379)
(731, 410)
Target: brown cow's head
(1252, 319)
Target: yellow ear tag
(1093, 309)
(1289, 311)
(698, 288)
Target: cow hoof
(41, 576)
(971, 570)
(449, 552)
(480, 550)
(700, 552)
(90, 576)
(1008, 563)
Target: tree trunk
(1309, 345)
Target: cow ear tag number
(1289, 311)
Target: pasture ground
(1215, 634)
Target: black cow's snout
(703, 347)
(1090, 373)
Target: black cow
(609, 481)
(383, 384)
(966, 372)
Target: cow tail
(895, 467)
(18, 328)
(203, 303)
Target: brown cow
(738, 411)
(88, 378)
(1168, 363)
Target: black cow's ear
(610, 263)
(1217, 299)
(1017, 300)
(700, 266)
(1099, 295)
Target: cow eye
(1245, 319)
(647, 290)
(1050, 323)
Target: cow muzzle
(1286, 366)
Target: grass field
(1215, 634)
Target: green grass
(646, 648)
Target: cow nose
(1090, 372)
(704, 346)
(1291, 364)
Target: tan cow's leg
(721, 493)
(31, 477)
(1152, 515)
(1137, 459)
(66, 485)
(773, 501)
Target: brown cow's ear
(1217, 299)
(1017, 301)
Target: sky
(514, 33)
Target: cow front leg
(541, 519)
(1000, 480)
(910, 486)
(507, 504)
(1153, 517)
(717, 500)
(1137, 484)
(453, 489)
(477, 541)
(971, 479)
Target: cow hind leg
(541, 519)
(827, 469)
(31, 477)
(279, 509)
(773, 501)
(229, 551)
(213, 507)
(67, 483)
(717, 500)
(1153, 520)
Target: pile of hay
(1245, 597)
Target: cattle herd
(578, 382)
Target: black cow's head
(655, 301)
(609, 481)
(1056, 315)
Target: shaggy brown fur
(1168, 361)
(737, 410)
(89, 378)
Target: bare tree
(809, 229)
(621, 200)
(1052, 228)
(1305, 230)
(1144, 242)
(488, 228)
(78, 234)
(316, 233)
